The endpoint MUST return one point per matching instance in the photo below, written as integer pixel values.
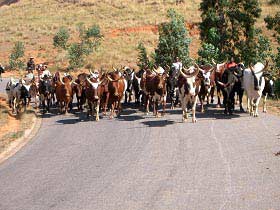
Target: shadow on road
(158, 123)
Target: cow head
(269, 85)
(257, 72)
(45, 87)
(94, 84)
(187, 79)
(114, 78)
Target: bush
(61, 38)
(76, 55)
(16, 56)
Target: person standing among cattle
(1, 71)
(45, 72)
(177, 65)
(231, 64)
(30, 64)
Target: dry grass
(35, 22)
(12, 128)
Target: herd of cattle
(149, 87)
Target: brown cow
(153, 84)
(104, 93)
(79, 89)
(64, 93)
(219, 70)
(93, 92)
(116, 87)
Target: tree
(143, 60)
(207, 52)
(16, 56)
(89, 40)
(273, 23)
(173, 41)
(229, 25)
(213, 29)
(61, 38)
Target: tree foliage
(173, 41)
(89, 41)
(61, 38)
(229, 25)
(16, 57)
(143, 59)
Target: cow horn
(266, 65)
(251, 68)
(90, 82)
(154, 70)
(90, 72)
(221, 83)
(214, 62)
(61, 81)
(201, 70)
(110, 79)
(115, 69)
(189, 75)
(100, 82)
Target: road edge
(18, 144)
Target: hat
(31, 57)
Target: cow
(19, 96)
(116, 87)
(227, 82)
(79, 89)
(104, 98)
(138, 93)
(63, 93)
(172, 89)
(207, 84)
(238, 86)
(9, 90)
(219, 70)
(189, 87)
(153, 84)
(128, 75)
(268, 89)
(254, 84)
(93, 92)
(45, 91)
(2, 70)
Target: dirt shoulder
(15, 132)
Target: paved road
(138, 162)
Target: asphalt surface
(139, 162)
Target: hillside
(123, 22)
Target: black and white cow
(268, 90)
(128, 75)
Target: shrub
(16, 56)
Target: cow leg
(240, 95)
(219, 98)
(201, 99)
(257, 107)
(264, 103)
(194, 120)
(184, 109)
(164, 105)
(97, 110)
(112, 110)
(147, 102)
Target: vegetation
(173, 41)
(89, 41)
(16, 57)
(229, 27)
(61, 38)
(273, 23)
(143, 60)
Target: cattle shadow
(130, 118)
(158, 123)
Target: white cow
(188, 91)
(254, 84)
(9, 89)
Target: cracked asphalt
(139, 162)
